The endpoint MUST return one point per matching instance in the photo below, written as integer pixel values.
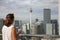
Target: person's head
(9, 19)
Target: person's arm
(14, 34)
(19, 32)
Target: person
(9, 30)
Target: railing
(42, 37)
(37, 37)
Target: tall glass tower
(47, 18)
(47, 15)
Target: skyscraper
(47, 18)
(47, 15)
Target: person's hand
(19, 31)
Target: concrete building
(50, 29)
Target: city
(46, 27)
(39, 20)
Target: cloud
(21, 8)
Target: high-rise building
(16, 24)
(47, 18)
(47, 15)
(56, 26)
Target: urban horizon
(21, 8)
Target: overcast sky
(21, 8)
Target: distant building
(47, 15)
(35, 27)
(56, 25)
(1, 25)
(49, 28)
(20, 24)
(35, 30)
(28, 28)
(16, 23)
(24, 28)
(47, 18)
(40, 29)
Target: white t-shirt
(6, 32)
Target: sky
(21, 8)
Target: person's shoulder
(3, 26)
(13, 28)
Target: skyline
(21, 8)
